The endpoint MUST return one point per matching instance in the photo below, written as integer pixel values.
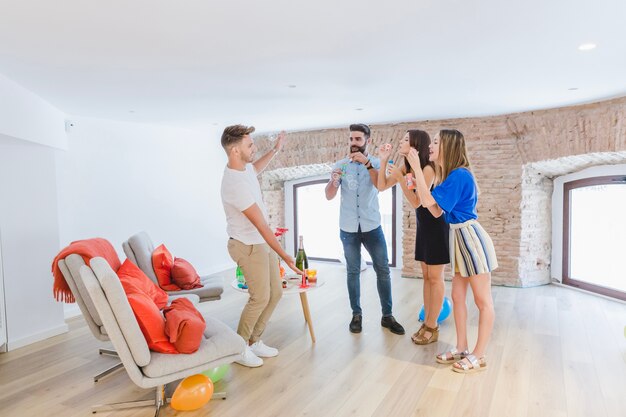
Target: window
(593, 224)
(317, 220)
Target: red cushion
(151, 322)
(162, 261)
(134, 280)
(184, 325)
(184, 275)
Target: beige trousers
(259, 264)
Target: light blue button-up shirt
(359, 197)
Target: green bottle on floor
(239, 274)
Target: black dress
(431, 238)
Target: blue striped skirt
(471, 249)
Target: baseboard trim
(560, 284)
(24, 341)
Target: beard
(358, 149)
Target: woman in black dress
(432, 234)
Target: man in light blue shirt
(359, 221)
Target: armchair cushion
(162, 262)
(184, 325)
(134, 280)
(151, 322)
(219, 341)
(184, 275)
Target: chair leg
(116, 367)
(158, 401)
(108, 352)
(219, 395)
(122, 406)
(108, 371)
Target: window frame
(566, 272)
(393, 258)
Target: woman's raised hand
(384, 151)
(414, 159)
(395, 171)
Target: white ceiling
(212, 63)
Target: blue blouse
(457, 196)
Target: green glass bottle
(302, 262)
(239, 275)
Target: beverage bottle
(338, 177)
(239, 274)
(302, 262)
(410, 182)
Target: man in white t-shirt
(252, 243)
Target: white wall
(24, 115)
(29, 239)
(118, 178)
(556, 270)
(111, 180)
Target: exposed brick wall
(514, 158)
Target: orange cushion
(134, 280)
(184, 275)
(184, 325)
(162, 261)
(151, 322)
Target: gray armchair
(147, 369)
(138, 248)
(70, 268)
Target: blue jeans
(374, 242)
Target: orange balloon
(192, 393)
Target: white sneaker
(261, 349)
(249, 359)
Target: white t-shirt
(240, 190)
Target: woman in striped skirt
(472, 255)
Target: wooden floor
(554, 352)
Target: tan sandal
(451, 356)
(418, 333)
(423, 340)
(470, 364)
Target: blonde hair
(452, 154)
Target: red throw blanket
(88, 248)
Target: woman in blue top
(431, 233)
(472, 255)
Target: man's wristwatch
(368, 165)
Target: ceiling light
(573, 88)
(358, 109)
(291, 86)
(588, 46)
(131, 111)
